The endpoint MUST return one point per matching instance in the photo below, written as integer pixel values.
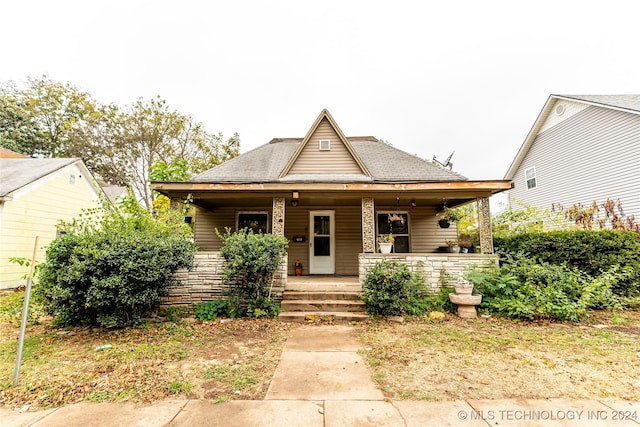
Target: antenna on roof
(447, 162)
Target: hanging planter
(188, 219)
(444, 223)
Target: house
(332, 196)
(580, 149)
(35, 194)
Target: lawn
(498, 358)
(419, 359)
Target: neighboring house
(580, 149)
(115, 193)
(35, 194)
(8, 154)
(332, 196)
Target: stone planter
(464, 299)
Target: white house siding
(35, 210)
(593, 155)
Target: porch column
(277, 218)
(484, 225)
(368, 225)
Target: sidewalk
(322, 381)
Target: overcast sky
(428, 77)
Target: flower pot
(385, 248)
(298, 271)
(444, 223)
(188, 219)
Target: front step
(300, 306)
(329, 316)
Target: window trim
(328, 146)
(238, 213)
(534, 178)
(408, 233)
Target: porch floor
(323, 283)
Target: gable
(325, 151)
(335, 158)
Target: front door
(322, 258)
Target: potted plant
(297, 265)
(447, 216)
(385, 241)
(453, 246)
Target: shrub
(386, 288)
(112, 272)
(524, 289)
(251, 261)
(592, 252)
(210, 310)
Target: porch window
(258, 222)
(396, 223)
(530, 176)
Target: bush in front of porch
(251, 262)
(390, 289)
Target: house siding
(337, 160)
(35, 210)
(424, 233)
(592, 155)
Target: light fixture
(294, 202)
(413, 204)
(294, 198)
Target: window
(72, 179)
(258, 222)
(325, 145)
(396, 223)
(530, 177)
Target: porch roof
(310, 193)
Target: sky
(431, 78)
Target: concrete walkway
(322, 381)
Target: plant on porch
(251, 262)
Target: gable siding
(336, 160)
(36, 210)
(593, 155)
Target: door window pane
(321, 225)
(321, 246)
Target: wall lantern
(294, 198)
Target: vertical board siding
(336, 160)
(593, 155)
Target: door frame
(323, 265)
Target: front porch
(204, 282)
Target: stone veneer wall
(429, 265)
(204, 282)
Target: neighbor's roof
(16, 173)
(385, 163)
(5, 153)
(627, 103)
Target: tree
(42, 114)
(118, 145)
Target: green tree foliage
(110, 273)
(119, 145)
(251, 261)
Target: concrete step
(318, 316)
(321, 295)
(312, 305)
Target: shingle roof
(628, 102)
(385, 163)
(16, 173)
